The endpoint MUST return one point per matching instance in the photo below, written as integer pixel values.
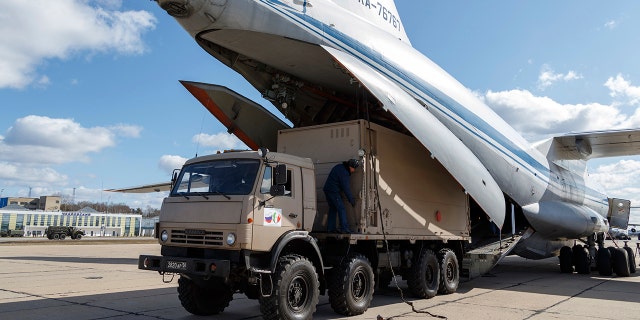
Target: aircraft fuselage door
(619, 210)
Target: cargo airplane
(323, 61)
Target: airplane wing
(597, 144)
(249, 121)
(461, 163)
(154, 187)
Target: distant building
(44, 203)
(33, 223)
(149, 226)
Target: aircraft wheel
(566, 260)
(632, 259)
(582, 260)
(620, 262)
(449, 271)
(604, 262)
(295, 290)
(351, 286)
(203, 301)
(424, 278)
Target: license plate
(177, 265)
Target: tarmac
(99, 279)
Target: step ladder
(481, 260)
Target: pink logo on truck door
(273, 217)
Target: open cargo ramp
(482, 259)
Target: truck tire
(78, 236)
(62, 236)
(203, 301)
(604, 262)
(295, 290)
(424, 277)
(351, 286)
(56, 236)
(449, 271)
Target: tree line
(109, 208)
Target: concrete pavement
(84, 280)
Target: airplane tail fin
(381, 13)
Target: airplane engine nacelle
(562, 220)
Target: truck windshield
(223, 177)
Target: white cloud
(33, 145)
(126, 130)
(538, 117)
(611, 24)
(219, 141)
(548, 77)
(31, 175)
(621, 88)
(37, 30)
(170, 162)
(620, 179)
(44, 140)
(52, 141)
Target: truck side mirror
(277, 190)
(280, 174)
(174, 177)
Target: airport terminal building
(32, 223)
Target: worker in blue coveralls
(338, 180)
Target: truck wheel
(449, 271)
(424, 277)
(620, 262)
(566, 260)
(351, 286)
(295, 290)
(632, 259)
(604, 262)
(78, 236)
(56, 236)
(203, 301)
(62, 236)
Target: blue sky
(90, 94)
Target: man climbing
(337, 181)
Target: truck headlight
(231, 238)
(164, 236)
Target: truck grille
(201, 237)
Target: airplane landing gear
(607, 260)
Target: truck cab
(227, 218)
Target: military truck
(256, 222)
(61, 232)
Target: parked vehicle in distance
(61, 232)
